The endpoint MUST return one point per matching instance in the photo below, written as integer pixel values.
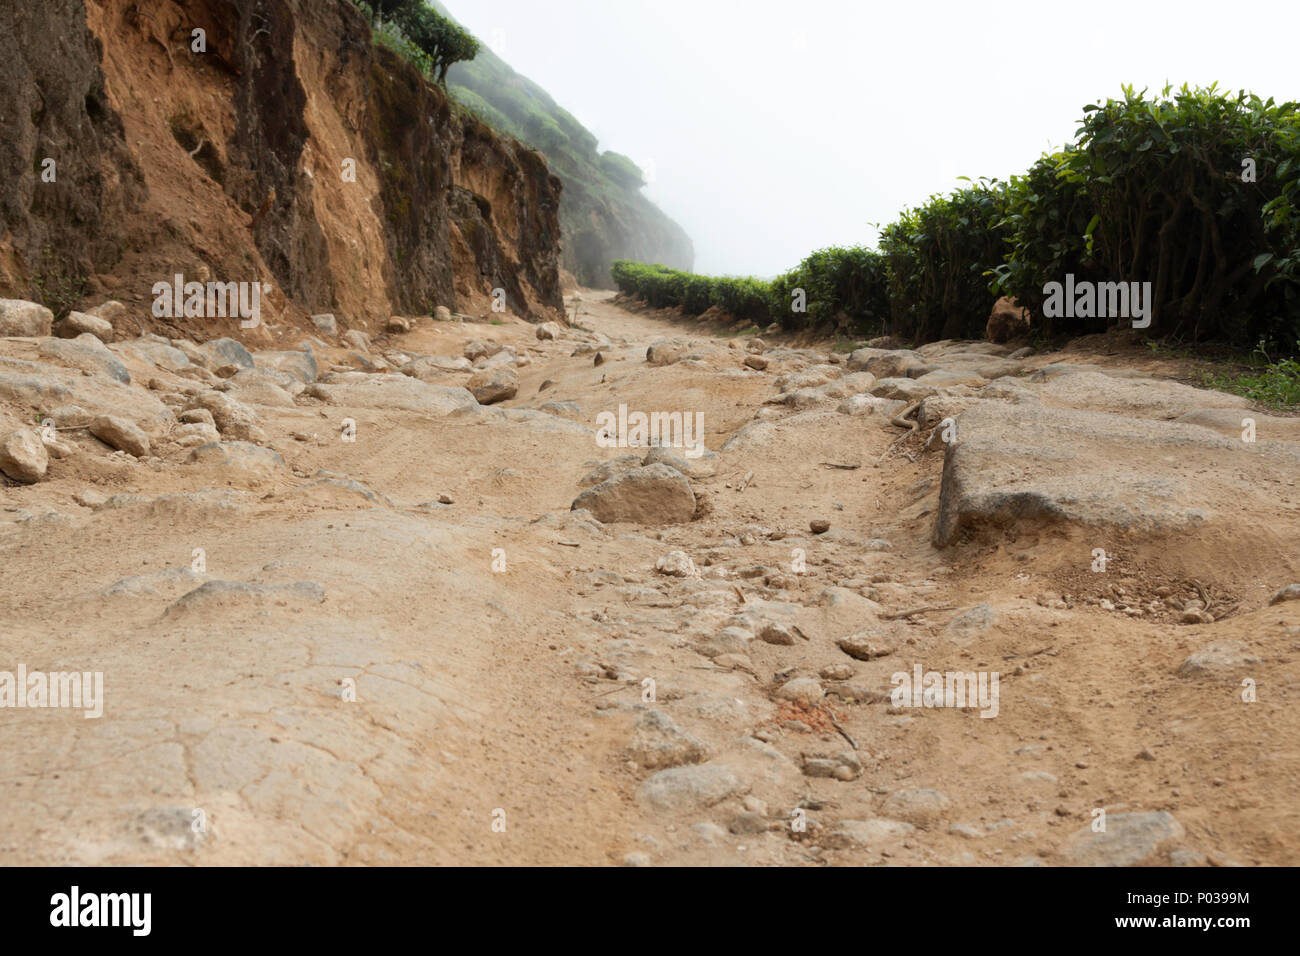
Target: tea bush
(837, 283)
(937, 257)
(1153, 190)
(1158, 190)
(663, 288)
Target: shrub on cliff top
(421, 33)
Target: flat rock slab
(1022, 465)
(42, 387)
(1233, 422)
(213, 595)
(86, 353)
(238, 458)
(1130, 838)
(401, 392)
(1140, 397)
(694, 787)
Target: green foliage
(663, 288)
(56, 288)
(622, 170)
(1048, 219)
(424, 36)
(842, 285)
(1153, 191)
(438, 38)
(937, 256)
(1276, 383)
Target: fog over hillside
(777, 130)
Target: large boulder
(41, 387)
(233, 418)
(156, 351)
(23, 456)
(79, 323)
(493, 385)
(1140, 397)
(666, 352)
(1235, 422)
(1007, 321)
(19, 317)
(222, 352)
(121, 433)
(654, 494)
(300, 364)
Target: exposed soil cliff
(284, 148)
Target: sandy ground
(496, 710)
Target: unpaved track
(518, 692)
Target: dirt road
(311, 658)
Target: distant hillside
(603, 215)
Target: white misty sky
(775, 128)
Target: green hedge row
(662, 288)
(1196, 192)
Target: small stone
(848, 834)
(807, 690)
(658, 742)
(1289, 593)
(919, 807)
(445, 500)
(863, 646)
(819, 526)
(748, 823)
(1220, 656)
(197, 416)
(774, 633)
(690, 788)
(89, 498)
(677, 564)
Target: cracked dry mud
(518, 696)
